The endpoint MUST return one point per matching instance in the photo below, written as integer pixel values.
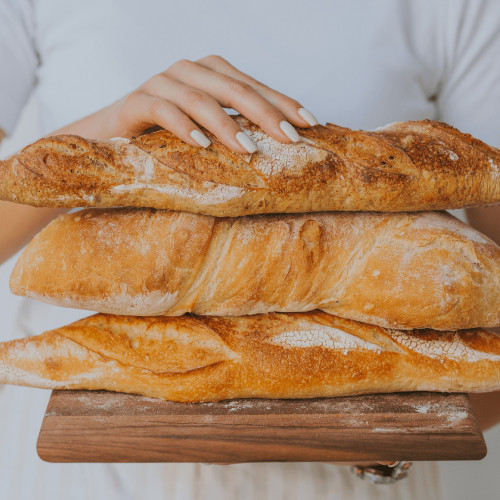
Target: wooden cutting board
(100, 426)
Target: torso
(321, 54)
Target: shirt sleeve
(469, 97)
(18, 60)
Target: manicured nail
(308, 117)
(200, 138)
(246, 142)
(289, 131)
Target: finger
(236, 94)
(148, 110)
(204, 109)
(292, 109)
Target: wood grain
(100, 426)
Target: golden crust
(178, 346)
(406, 166)
(423, 270)
(295, 355)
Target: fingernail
(246, 142)
(289, 131)
(200, 138)
(308, 117)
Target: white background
(461, 480)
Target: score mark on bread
(166, 345)
(308, 335)
(449, 345)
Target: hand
(191, 93)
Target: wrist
(382, 474)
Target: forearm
(487, 409)
(486, 406)
(486, 220)
(20, 223)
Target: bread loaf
(422, 270)
(302, 355)
(406, 166)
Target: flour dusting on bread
(306, 335)
(448, 347)
(214, 194)
(290, 159)
(134, 158)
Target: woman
(360, 68)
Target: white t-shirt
(359, 64)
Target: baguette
(301, 355)
(422, 270)
(405, 166)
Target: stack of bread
(280, 274)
